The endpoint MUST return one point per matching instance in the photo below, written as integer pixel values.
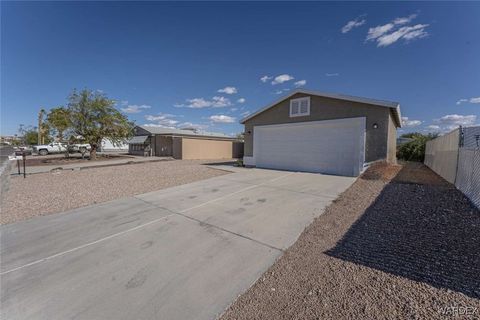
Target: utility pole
(40, 126)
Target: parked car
(54, 147)
(82, 148)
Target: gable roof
(394, 106)
(183, 132)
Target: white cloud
(228, 90)
(199, 103)
(433, 127)
(190, 125)
(134, 108)
(241, 100)
(455, 120)
(353, 24)
(406, 122)
(471, 100)
(279, 92)
(265, 78)
(233, 109)
(332, 74)
(221, 118)
(381, 34)
(282, 78)
(162, 120)
(407, 33)
(374, 33)
(300, 83)
(246, 113)
(405, 20)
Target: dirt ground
(400, 243)
(47, 193)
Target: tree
(414, 150)
(30, 135)
(94, 117)
(59, 120)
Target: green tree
(94, 117)
(30, 135)
(414, 150)
(59, 120)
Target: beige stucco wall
(177, 148)
(321, 108)
(206, 149)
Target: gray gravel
(401, 243)
(47, 193)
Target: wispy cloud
(470, 100)
(134, 108)
(332, 74)
(190, 125)
(228, 90)
(406, 122)
(452, 121)
(241, 100)
(162, 120)
(433, 127)
(300, 83)
(246, 113)
(393, 31)
(221, 118)
(282, 78)
(199, 103)
(265, 78)
(357, 22)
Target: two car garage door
(330, 146)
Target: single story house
(322, 132)
(183, 144)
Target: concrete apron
(180, 253)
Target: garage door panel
(333, 146)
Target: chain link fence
(456, 157)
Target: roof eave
(382, 103)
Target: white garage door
(330, 146)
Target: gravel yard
(401, 243)
(47, 193)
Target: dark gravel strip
(401, 243)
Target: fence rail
(455, 156)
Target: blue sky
(201, 64)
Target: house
(321, 132)
(183, 144)
(107, 146)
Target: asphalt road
(185, 252)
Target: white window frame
(299, 100)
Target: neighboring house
(183, 144)
(108, 146)
(322, 132)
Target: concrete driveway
(180, 253)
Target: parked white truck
(57, 147)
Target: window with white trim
(300, 107)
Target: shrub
(414, 150)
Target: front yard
(47, 193)
(401, 243)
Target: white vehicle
(57, 147)
(82, 148)
(54, 147)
